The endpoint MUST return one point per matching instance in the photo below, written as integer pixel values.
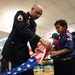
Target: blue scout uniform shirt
(56, 45)
(67, 42)
(74, 40)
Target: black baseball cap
(55, 36)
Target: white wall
(44, 34)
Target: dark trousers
(64, 67)
(68, 67)
(57, 66)
(4, 65)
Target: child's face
(59, 28)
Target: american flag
(35, 59)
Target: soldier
(24, 28)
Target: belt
(66, 58)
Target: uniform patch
(69, 39)
(68, 34)
(20, 18)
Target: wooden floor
(43, 73)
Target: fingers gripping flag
(34, 60)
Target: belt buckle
(66, 59)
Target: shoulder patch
(68, 34)
(20, 18)
(69, 39)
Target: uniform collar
(63, 33)
(29, 16)
(29, 19)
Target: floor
(43, 73)
(46, 70)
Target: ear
(32, 8)
(64, 27)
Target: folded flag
(34, 60)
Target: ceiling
(53, 10)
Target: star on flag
(34, 60)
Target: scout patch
(20, 18)
(69, 39)
(68, 34)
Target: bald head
(36, 11)
(38, 7)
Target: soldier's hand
(38, 50)
(46, 44)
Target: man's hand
(46, 44)
(38, 50)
